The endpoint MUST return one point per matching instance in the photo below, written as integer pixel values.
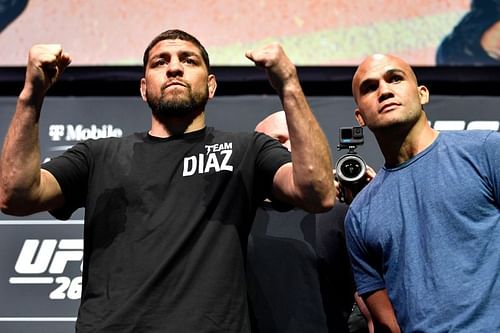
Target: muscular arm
(382, 313)
(24, 188)
(308, 181)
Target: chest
(421, 207)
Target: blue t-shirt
(428, 231)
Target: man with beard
(424, 234)
(168, 211)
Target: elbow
(13, 211)
(9, 209)
(9, 205)
(5, 207)
(328, 202)
(319, 196)
(322, 203)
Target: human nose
(175, 67)
(385, 91)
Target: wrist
(29, 97)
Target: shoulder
(469, 137)
(469, 142)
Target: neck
(399, 147)
(164, 128)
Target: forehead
(376, 67)
(173, 46)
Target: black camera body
(350, 168)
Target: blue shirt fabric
(428, 231)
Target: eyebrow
(395, 71)
(389, 72)
(182, 54)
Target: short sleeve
(71, 170)
(272, 155)
(366, 275)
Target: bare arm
(308, 181)
(24, 188)
(382, 312)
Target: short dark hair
(176, 34)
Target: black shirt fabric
(298, 271)
(166, 224)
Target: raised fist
(278, 66)
(46, 62)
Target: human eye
(396, 78)
(368, 87)
(159, 61)
(190, 60)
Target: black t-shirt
(298, 271)
(166, 223)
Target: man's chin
(177, 110)
(175, 113)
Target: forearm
(312, 163)
(24, 188)
(20, 159)
(382, 312)
(308, 181)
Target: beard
(177, 105)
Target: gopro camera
(350, 167)
(351, 136)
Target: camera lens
(350, 168)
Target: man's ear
(212, 85)
(359, 117)
(424, 94)
(143, 89)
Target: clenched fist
(46, 62)
(280, 70)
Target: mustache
(172, 82)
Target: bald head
(275, 126)
(375, 65)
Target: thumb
(249, 55)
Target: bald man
(275, 126)
(298, 271)
(424, 235)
